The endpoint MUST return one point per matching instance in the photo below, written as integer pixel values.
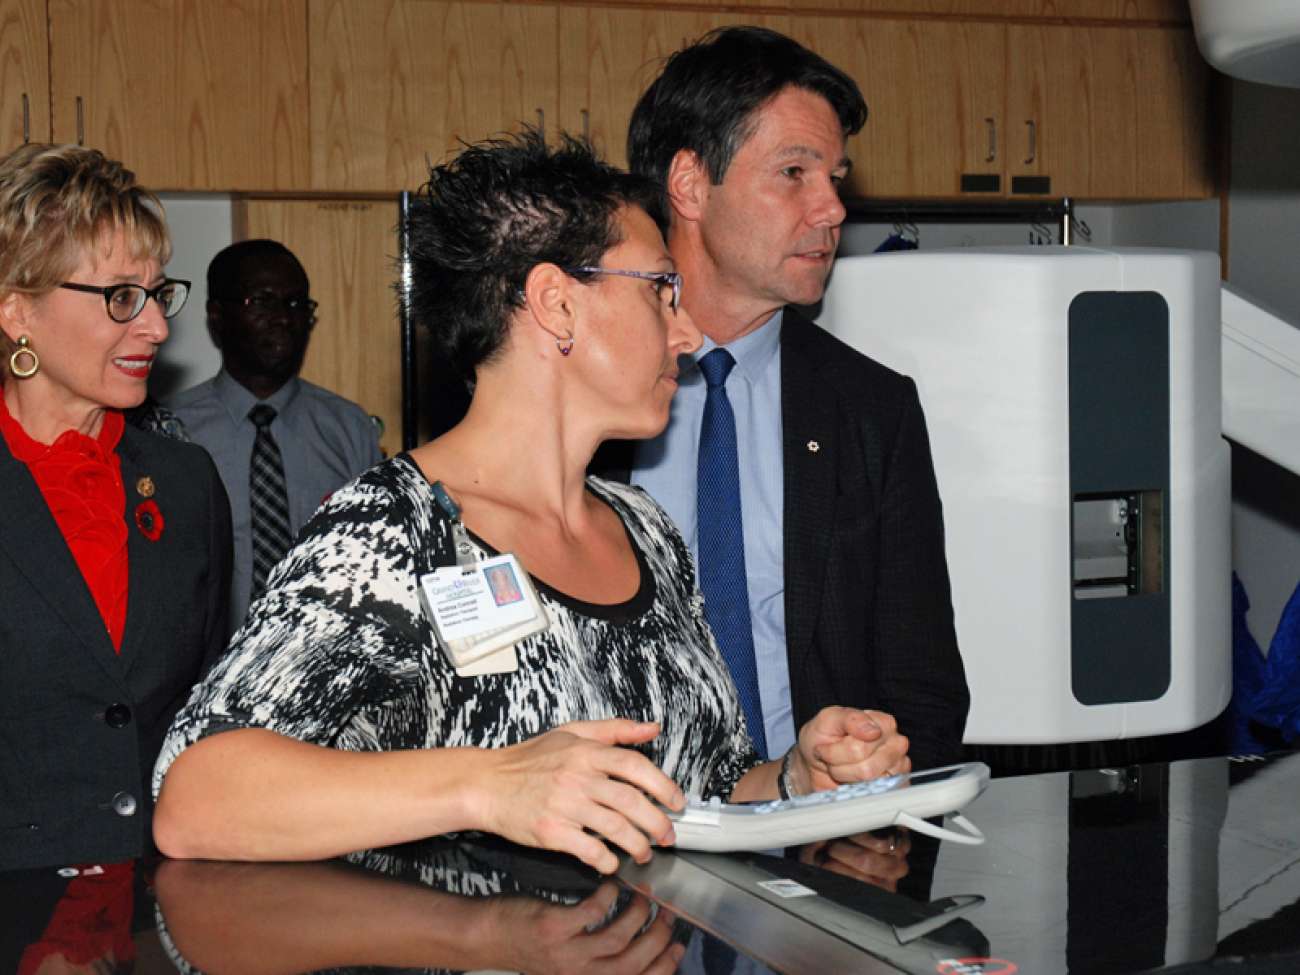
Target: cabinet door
(934, 92)
(1109, 113)
(346, 247)
(190, 94)
(24, 74)
(609, 56)
(397, 83)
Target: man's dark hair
(706, 97)
(493, 213)
(225, 270)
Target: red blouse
(91, 923)
(80, 478)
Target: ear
(549, 298)
(15, 308)
(213, 310)
(688, 185)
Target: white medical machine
(1072, 397)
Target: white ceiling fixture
(1255, 40)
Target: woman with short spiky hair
(343, 717)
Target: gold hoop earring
(24, 349)
(565, 345)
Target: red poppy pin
(149, 519)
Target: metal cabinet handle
(541, 123)
(586, 125)
(27, 120)
(993, 139)
(81, 122)
(1033, 140)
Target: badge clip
(481, 607)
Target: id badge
(480, 611)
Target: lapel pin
(813, 446)
(144, 487)
(149, 519)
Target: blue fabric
(1265, 690)
(722, 543)
(896, 242)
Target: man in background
(798, 469)
(281, 444)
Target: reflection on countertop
(1105, 871)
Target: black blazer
(868, 606)
(80, 726)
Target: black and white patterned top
(338, 651)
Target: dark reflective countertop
(1186, 867)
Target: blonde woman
(114, 556)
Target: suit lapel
(811, 454)
(33, 542)
(146, 572)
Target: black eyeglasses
(662, 279)
(266, 305)
(126, 301)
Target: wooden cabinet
(970, 109)
(1108, 113)
(609, 56)
(190, 94)
(934, 92)
(347, 248)
(398, 83)
(1099, 99)
(1102, 99)
(24, 73)
(1140, 11)
(1149, 11)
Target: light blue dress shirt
(666, 468)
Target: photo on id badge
(503, 584)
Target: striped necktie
(268, 498)
(722, 542)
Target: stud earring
(565, 345)
(33, 360)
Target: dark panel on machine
(1119, 486)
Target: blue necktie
(722, 542)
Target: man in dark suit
(843, 594)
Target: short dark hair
(705, 98)
(225, 269)
(493, 213)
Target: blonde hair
(59, 202)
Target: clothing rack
(1059, 212)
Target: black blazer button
(124, 804)
(117, 716)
